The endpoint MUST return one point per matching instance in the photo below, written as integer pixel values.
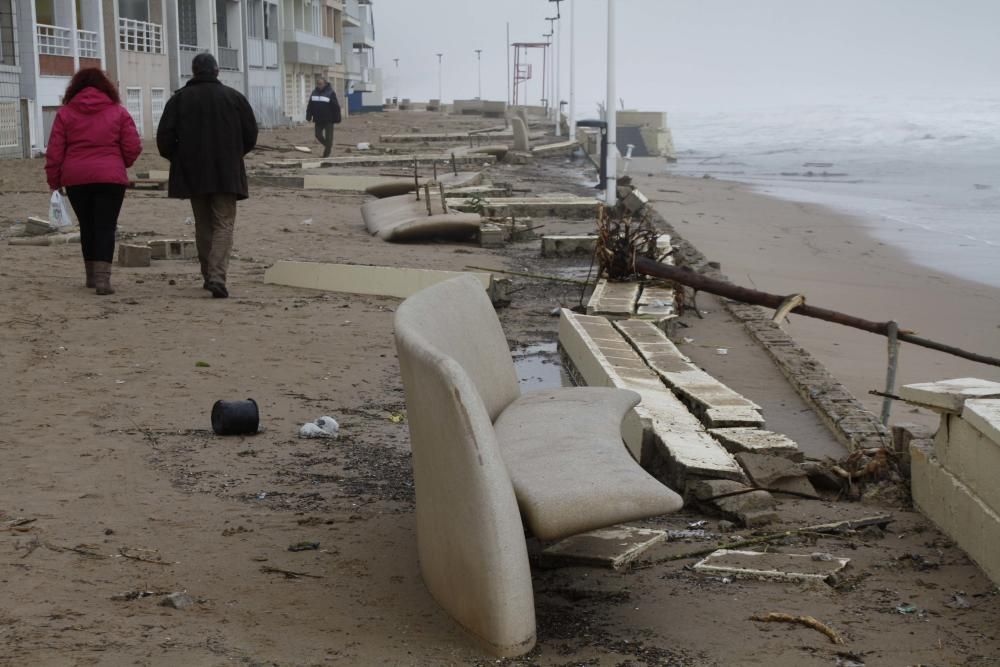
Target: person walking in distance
(205, 130)
(93, 141)
(324, 110)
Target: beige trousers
(214, 220)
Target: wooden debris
(289, 574)
(808, 621)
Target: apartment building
(364, 80)
(55, 39)
(137, 58)
(10, 83)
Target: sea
(923, 175)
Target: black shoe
(204, 285)
(217, 289)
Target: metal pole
(611, 193)
(572, 69)
(890, 373)
(396, 60)
(440, 88)
(508, 71)
(479, 72)
(558, 72)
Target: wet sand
(789, 247)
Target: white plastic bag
(58, 211)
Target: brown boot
(102, 277)
(88, 265)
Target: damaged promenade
(115, 493)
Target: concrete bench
(486, 457)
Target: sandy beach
(790, 247)
(114, 491)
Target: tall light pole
(440, 100)
(611, 193)
(396, 60)
(479, 72)
(572, 69)
(552, 60)
(557, 69)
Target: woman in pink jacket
(93, 142)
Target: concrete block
(38, 227)
(964, 451)
(494, 109)
(635, 201)
(617, 300)
(771, 565)
(776, 472)
(520, 129)
(174, 249)
(557, 148)
(134, 255)
(613, 547)
(983, 414)
(656, 303)
(755, 440)
(956, 510)
(492, 236)
(749, 508)
(568, 245)
(358, 279)
(949, 395)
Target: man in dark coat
(324, 110)
(205, 130)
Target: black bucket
(235, 417)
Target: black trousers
(324, 135)
(97, 206)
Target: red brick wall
(55, 65)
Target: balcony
(262, 53)
(310, 49)
(229, 59)
(54, 40)
(140, 36)
(87, 44)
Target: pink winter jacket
(93, 140)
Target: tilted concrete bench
(484, 456)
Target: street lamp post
(611, 193)
(479, 72)
(440, 96)
(396, 60)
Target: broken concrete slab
(613, 547)
(443, 159)
(660, 432)
(750, 508)
(568, 245)
(38, 226)
(551, 205)
(776, 473)
(134, 255)
(962, 448)
(656, 303)
(613, 300)
(173, 249)
(360, 279)
(772, 565)
(758, 441)
(557, 148)
(949, 395)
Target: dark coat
(323, 107)
(205, 130)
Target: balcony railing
(229, 59)
(54, 41)
(270, 54)
(140, 36)
(262, 53)
(87, 42)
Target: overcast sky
(684, 55)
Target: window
(221, 22)
(187, 19)
(133, 103)
(157, 100)
(45, 12)
(7, 51)
(9, 129)
(137, 10)
(271, 22)
(254, 16)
